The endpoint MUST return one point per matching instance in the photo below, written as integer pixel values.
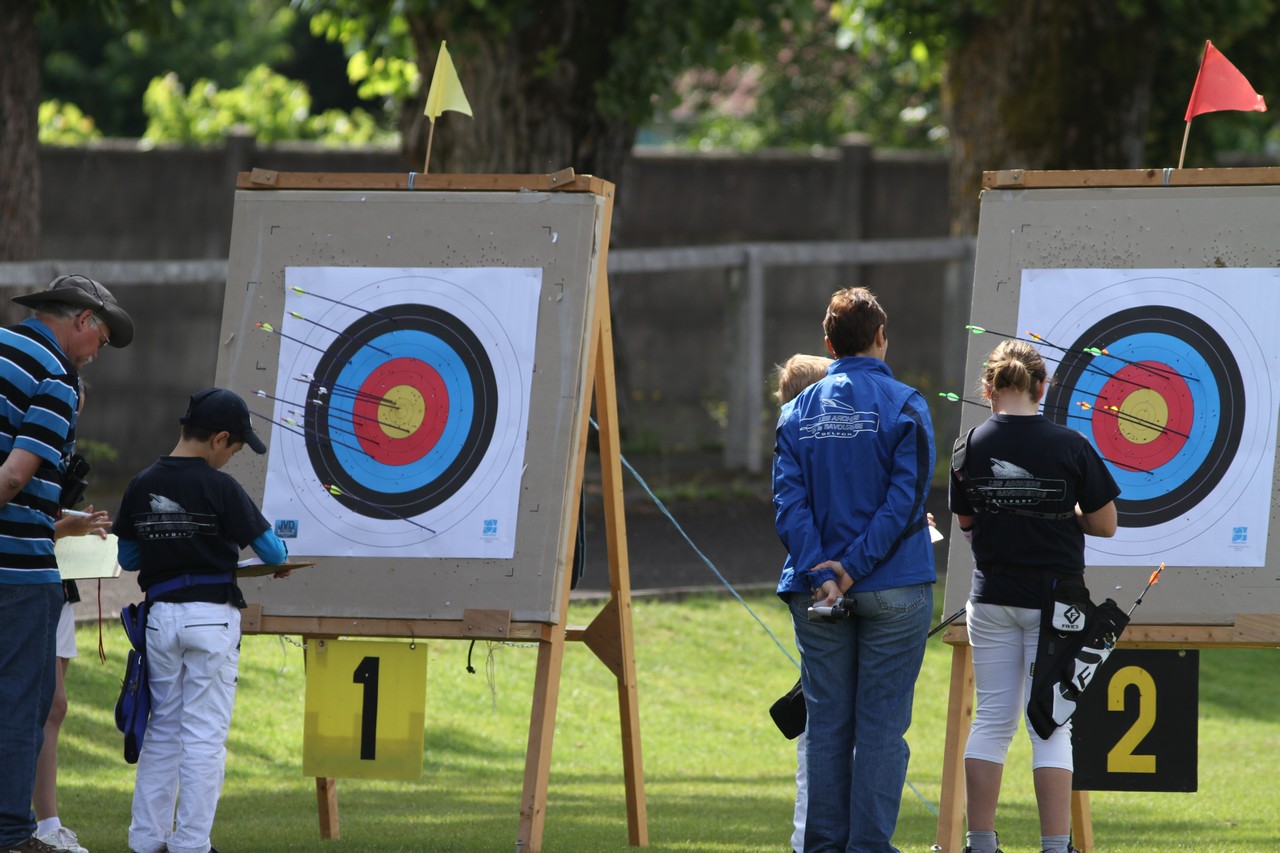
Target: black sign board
(1136, 727)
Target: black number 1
(367, 674)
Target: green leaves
(267, 105)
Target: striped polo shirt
(38, 401)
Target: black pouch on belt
(1076, 638)
(789, 713)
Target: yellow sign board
(365, 709)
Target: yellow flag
(446, 90)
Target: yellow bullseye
(1144, 405)
(402, 411)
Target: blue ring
(430, 350)
(1154, 346)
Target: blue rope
(710, 565)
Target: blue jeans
(859, 679)
(28, 628)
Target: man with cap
(182, 524)
(40, 359)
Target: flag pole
(426, 161)
(1204, 54)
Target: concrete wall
(118, 201)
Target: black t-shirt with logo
(1031, 464)
(188, 518)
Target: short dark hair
(853, 315)
(204, 434)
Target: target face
(1167, 376)
(403, 400)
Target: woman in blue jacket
(852, 466)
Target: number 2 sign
(1135, 728)
(365, 709)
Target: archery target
(1165, 406)
(403, 399)
(1166, 374)
(415, 389)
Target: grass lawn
(718, 776)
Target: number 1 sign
(365, 709)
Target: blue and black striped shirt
(38, 400)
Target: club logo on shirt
(838, 420)
(168, 520)
(1013, 486)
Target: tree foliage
(267, 105)
(821, 78)
(103, 63)
(1077, 84)
(65, 124)
(551, 85)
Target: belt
(173, 584)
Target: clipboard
(255, 568)
(86, 557)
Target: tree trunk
(19, 146)
(1050, 84)
(532, 95)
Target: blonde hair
(1013, 366)
(798, 373)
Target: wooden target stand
(1245, 630)
(1248, 632)
(610, 635)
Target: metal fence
(743, 264)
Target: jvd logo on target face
(1239, 536)
(490, 527)
(287, 528)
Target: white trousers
(802, 792)
(193, 657)
(1004, 643)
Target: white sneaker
(63, 840)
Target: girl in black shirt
(1026, 495)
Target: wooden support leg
(959, 718)
(611, 642)
(537, 764)
(327, 806)
(614, 642)
(1081, 822)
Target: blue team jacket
(852, 465)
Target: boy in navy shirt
(182, 524)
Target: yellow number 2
(1121, 758)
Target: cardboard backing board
(1191, 273)
(440, 242)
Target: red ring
(1161, 379)
(391, 446)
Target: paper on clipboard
(86, 557)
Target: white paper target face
(1174, 376)
(400, 410)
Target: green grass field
(718, 775)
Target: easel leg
(620, 580)
(959, 718)
(1081, 822)
(327, 807)
(542, 724)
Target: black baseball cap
(222, 411)
(83, 292)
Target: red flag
(1219, 86)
